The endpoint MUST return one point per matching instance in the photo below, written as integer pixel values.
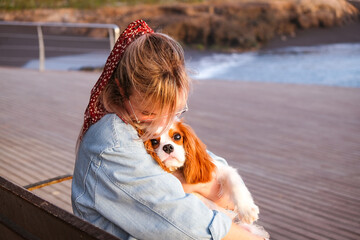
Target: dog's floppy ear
(198, 167)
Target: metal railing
(113, 32)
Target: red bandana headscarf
(95, 109)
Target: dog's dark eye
(177, 136)
(154, 142)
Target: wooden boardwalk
(297, 147)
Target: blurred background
(298, 41)
(277, 94)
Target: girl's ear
(198, 167)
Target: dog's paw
(247, 213)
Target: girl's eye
(154, 142)
(145, 113)
(177, 136)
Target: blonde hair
(154, 66)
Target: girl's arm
(120, 188)
(209, 190)
(237, 232)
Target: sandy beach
(296, 146)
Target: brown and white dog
(180, 149)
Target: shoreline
(213, 25)
(347, 33)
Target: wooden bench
(23, 215)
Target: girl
(117, 185)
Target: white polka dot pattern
(95, 109)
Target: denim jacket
(118, 187)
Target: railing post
(111, 38)
(114, 34)
(41, 49)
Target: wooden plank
(296, 146)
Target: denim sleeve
(135, 194)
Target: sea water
(335, 65)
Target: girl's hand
(210, 190)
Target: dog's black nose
(168, 148)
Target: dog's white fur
(231, 184)
(175, 159)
